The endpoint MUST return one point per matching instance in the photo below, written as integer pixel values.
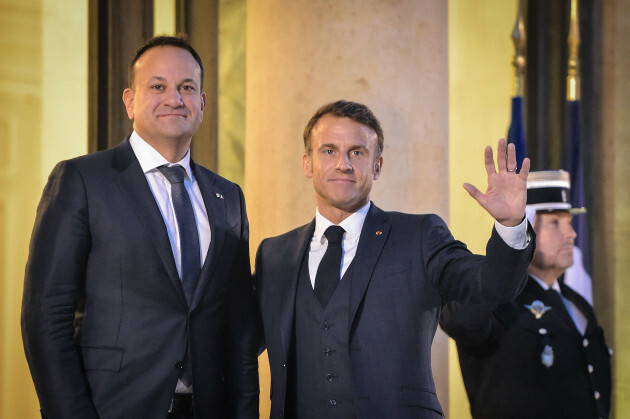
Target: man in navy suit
(350, 302)
(544, 355)
(138, 298)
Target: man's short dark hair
(346, 109)
(178, 41)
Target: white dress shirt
(353, 226)
(150, 159)
(515, 237)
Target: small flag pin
(219, 195)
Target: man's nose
(174, 98)
(343, 163)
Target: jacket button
(327, 352)
(585, 342)
(330, 377)
(596, 395)
(179, 365)
(542, 331)
(590, 368)
(333, 402)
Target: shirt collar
(353, 224)
(544, 285)
(150, 159)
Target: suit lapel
(288, 286)
(215, 208)
(374, 234)
(134, 186)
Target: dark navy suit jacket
(405, 269)
(105, 321)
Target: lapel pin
(219, 195)
(379, 232)
(537, 308)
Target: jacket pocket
(421, 398)
(102, 358)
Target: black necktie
(188, 234)
(328, 272)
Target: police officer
(544, 355)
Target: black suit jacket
(105, 321)
(500, 351)
(406, 267)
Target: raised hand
(506, 195)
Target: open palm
(506, 195)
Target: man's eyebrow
(188, 81)
(358, 147)
(160, 78)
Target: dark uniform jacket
(515, 365)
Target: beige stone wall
(390, 55)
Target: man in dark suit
(544, 355)
(350, 302)
(138, 298)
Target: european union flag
(516, 132)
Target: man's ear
(307, 165)
(378, 164)
(128, 99)
(203, 101)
